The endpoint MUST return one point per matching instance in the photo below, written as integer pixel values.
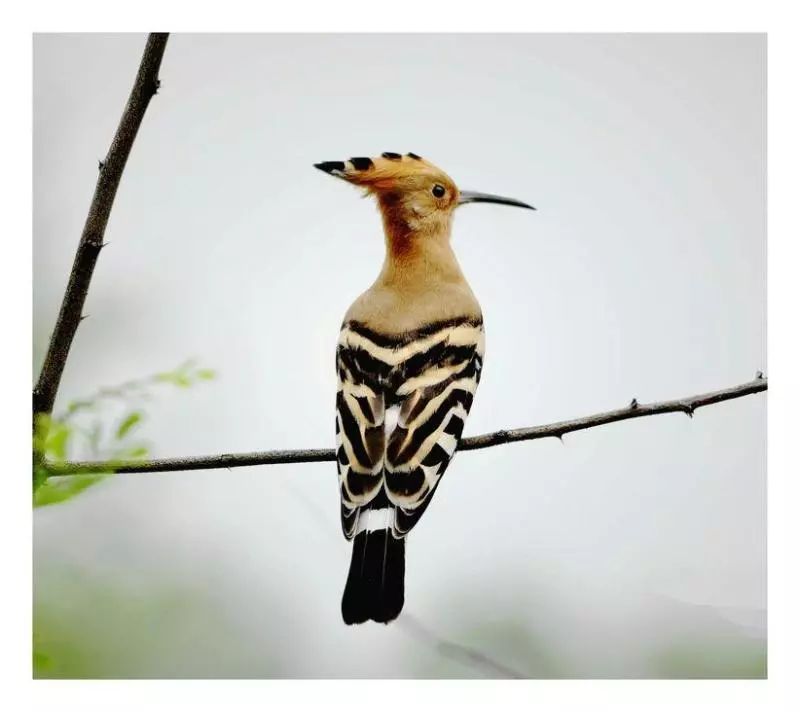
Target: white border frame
(410, 15)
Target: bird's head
(413, 194)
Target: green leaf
(206, 374)
(129, 422)
(60, 489)
(176, 378)
(57, 439)
(41, 426)
(41, 662)
(76, 405)
(40, 474)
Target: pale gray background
(637, 549)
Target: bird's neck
(420, 283)
(418, 256)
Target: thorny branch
(687, 405)
(110, 173)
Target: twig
(457, 651)
(687, 405)
(110, 172)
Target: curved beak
(470, 196)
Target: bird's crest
(384, 172)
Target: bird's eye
(438, 190)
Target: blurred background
(632, 550)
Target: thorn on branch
(634, 404)
(101, 165)
(84, 316)
(94, 240)
(759, 375)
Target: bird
(408, 362)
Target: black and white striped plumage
(401, 405)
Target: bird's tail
(375, 585)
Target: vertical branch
(110, 174)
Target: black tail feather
(375, 586)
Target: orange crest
(387, 172)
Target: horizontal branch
(686, 405)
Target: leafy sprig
(84, 425)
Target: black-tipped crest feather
(361, 163)
(330, 166)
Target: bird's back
(403, 397)
(406, 348)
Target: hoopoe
(409, 360)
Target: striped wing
(401, 408)
(360, 437)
